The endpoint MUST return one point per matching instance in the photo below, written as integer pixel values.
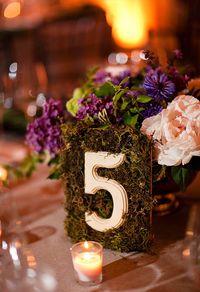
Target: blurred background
(47, 45)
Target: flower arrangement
(160, 101)
(120, 111)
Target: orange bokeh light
(3, 173)
(12, 10)
(128, 21)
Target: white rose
(176, 130)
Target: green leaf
(18, 173)
(124, 104)
(53, 160)
(134, 87)
(133, 101)
(103, 127)
(134, 110)
(54, 175)
(116, 98)
(141, 109)
(144, 98)
(180, 176)
(126, 79)
(130, 120)
(107, 89)
(92, 71)
(118, 95)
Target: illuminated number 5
(94, 182)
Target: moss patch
(134, 175)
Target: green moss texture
(134, 175)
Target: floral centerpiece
(163, 103)
(158, 105)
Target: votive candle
(87, 261)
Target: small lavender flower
(53, 109)
(93, 105)
(158, 85)
(44, 132)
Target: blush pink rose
(176, 131)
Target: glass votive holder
(87, 260)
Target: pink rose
(176, 131)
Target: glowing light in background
(12, 9)
(121, 58)
(186, 252)
(136, 56)
(112, 59)
(128, 21)
(13, 67)
(4, 244)
(8, 102)
(13, 71)
(31, 110)
(3, 173)
(41, 99)
(14, 255)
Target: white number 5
(94, 182)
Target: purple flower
(53, 109)
(93, 105)
(133, 94)
(44, 132)
(151, 109)
(178, 79)
(118, 78)
(101, 77)
(158, 85)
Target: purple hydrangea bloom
(151, 110)
(44, 132)
(93, 105)
(158, 85)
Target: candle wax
(88, 266)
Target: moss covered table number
(108, 186)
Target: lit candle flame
(86, 244)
